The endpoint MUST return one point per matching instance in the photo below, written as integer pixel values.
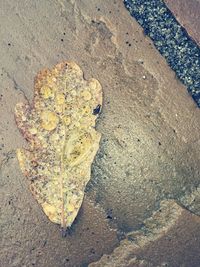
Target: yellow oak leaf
(59, 127)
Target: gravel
(171, 40)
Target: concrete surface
(168, 238)
(149, 151)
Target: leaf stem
(63, 222)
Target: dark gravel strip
(171, 39)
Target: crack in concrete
(15, 84)
(191, 202)
(8, 156)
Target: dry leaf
(62, 140)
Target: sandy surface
(150, 138)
